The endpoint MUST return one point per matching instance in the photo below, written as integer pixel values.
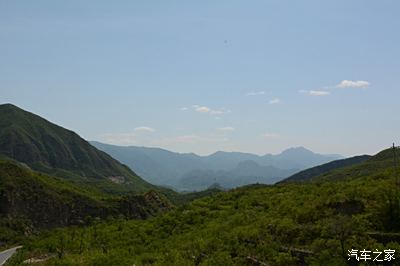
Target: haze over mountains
(188, 171)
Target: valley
(89, 209)
(199, 133)
(308, 223)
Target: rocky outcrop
(144, 206)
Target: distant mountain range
(50, 177)
(188, 171)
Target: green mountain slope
(49, 148)
(308, 223)
(375, 166)
(30, 201)
(310, 173)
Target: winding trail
(6, 254)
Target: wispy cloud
(226, 129)
(255, 93)
(131, 138)
(353, 84)
(315, 92)
(275, 101)
(208, 110)
(144, 129)
(119, 138)
(319, 93)
(324, 91)
(183, 108)
(202, 109)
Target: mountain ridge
(52, 149)
(163, 167)
(351, 168)
(310, 173)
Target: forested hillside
(31, 201)
(311, 223)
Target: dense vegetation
(57, 179)
(313, 223)
(30, 201)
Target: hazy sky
(201, 76)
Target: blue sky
(202, 76)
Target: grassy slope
(374, 166)
(49, 148)
(310, 173)
(311, 223)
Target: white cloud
(202, 109)
(324, 91)
(144, 129)
(255, 93)
(208, 110)
(271, 135)
(183, 108)
(225, 129)
(315, 93)
(275, 101)
(319, 93)
(217, 112)
(119, 139)
(353, 84)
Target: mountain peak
(218, 153)
(47, 147)
(6, 106)
(297, 150)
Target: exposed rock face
(117, 179)
(144, 206)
